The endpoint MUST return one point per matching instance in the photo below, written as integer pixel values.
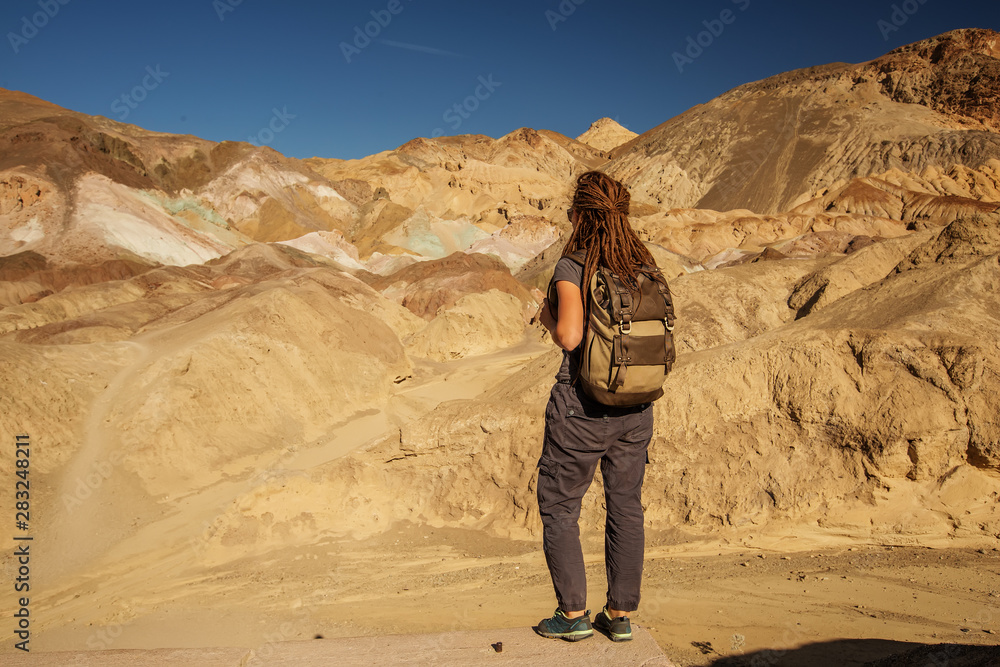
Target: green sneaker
(619, 629)
(570, 629)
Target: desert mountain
(79, 189)
(236, 359)
(606, 134)
(774, 142)
(812, 132)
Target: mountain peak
(606, 134)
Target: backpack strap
(669, 352)
(624, 302)
(623, 311)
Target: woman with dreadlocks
(580, 433)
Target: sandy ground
(791, 596)
(702, 602)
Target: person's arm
(567, 326)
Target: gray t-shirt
(568, 270)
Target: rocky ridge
(774, 141)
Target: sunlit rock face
(773, 143)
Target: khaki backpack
(628, 348)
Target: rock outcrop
(606, 134)
(773, 142)
(427, 287)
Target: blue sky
(306, 79)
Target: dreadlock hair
(603, 230)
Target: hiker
(581, 432)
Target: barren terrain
(270, 399)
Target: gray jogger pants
(579, 434)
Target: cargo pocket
(547, 466)
(580, 428)
(585, 434)
(547, 487)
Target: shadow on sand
(869, 653)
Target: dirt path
(86, 486)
